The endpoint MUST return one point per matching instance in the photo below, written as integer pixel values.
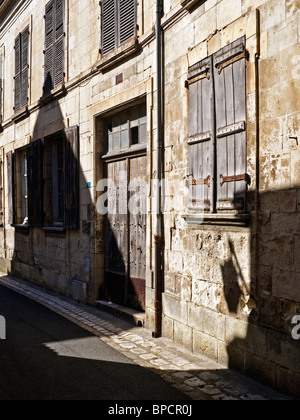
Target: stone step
(132, 315)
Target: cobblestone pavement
(196, 376)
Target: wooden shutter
(201, 135)
(108, 26)
(230, 91)
(35, 183)
(10, 188)
(24, 67)
(17, 73)
(49, 47)
(127, 20)
(72, 177)
(59, 43)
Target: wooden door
(137, 233)
(125, 233)
(116, 235)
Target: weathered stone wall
(230, 289)
(231, 292)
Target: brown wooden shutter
(10, 188)
(108, 25)
(17, 73)
(24, 67)
(230, 91)
(35, 183)
(49, 47)
(201, 134)
(127, 20)
(72, 177)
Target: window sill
(56, 93)
(57, 229)
(21, 115)
(23, 228)
(217, 219)
(115, 57)
(189, 4)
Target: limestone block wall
(231, 291)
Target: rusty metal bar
(205, 181)
(233, 178)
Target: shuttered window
(118, 23)
(43, 182)
(217, 131)
(61, 179)
(54, 45)
(21, 69)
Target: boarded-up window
(21, 69)
(118, 23)
(217, 131)
(54, 45)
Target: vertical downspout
(158, 232)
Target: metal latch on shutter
(233, 178)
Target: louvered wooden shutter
(18, 72)
(35, 183)
(21, 69)
(49, 47)
(230, 91)
(72, 177)
(24, 67)
(201, 134)
(108, 25)
(127, 20)
(54, 45)
(10, 188)
(59, 43)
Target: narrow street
(48, 357)
(57, 349)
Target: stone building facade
(78, 107)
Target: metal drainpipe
(158, 233)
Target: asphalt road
(46, 357)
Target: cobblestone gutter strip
(197, 377)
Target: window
(217, 131)
(54, 181)
(21, 69)
(43, 182)
(61, 179)
(127, 129)
(54, 45)
(118, 23)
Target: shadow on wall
(268, 354)
(53, 210)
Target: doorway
(125, 168)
